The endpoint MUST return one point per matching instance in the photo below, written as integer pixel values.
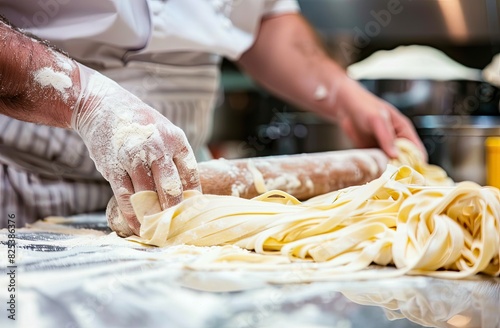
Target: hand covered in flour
(133, 146)
(370, 121)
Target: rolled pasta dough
(402, 218)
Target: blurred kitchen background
(453, 114)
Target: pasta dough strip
(396, 219)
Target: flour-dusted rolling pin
(303, 176)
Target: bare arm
(29, 69)
(289, 60)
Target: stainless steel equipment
(453, 119)
(353, 29)
(457, 143)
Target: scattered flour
(58, 80)
(221, 165)
(63, 62)
(320, 93)
(238, 189)
(132, 133)
(286, 182)
(171, 187)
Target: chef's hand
(370, 121)
(287, 47)
(133, 146)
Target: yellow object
(493, 161)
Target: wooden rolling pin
(303, 176)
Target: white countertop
(96, 284)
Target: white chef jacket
(106, 32)
(164, 51)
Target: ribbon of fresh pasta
(409, 155)
(395, 219)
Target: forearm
(289, 60)
(39, 84)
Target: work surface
(76, 274)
